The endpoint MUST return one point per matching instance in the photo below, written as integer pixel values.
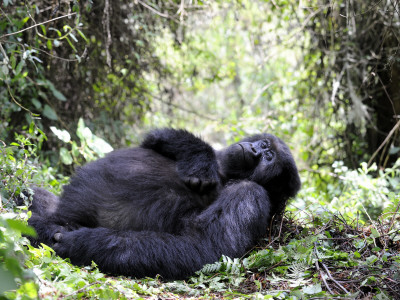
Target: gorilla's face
(250, 154)
(264, 159)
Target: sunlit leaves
(91, 146)
(65, 156)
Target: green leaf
(87, 134)
(99, 145)
(58, 94)
(19, 67)
(19, 172)
(312, 289)
(71, 45)
(29, 290)
(6, 281)
(32, 128)
(375, 233)
(36, 103)
(21, 227)
(49, 113)
(43, 29)
(65, 156)
(4, 70)
(66, 28)
(24, 20)
(75, 150)
(79, 130)
(82, 35)
(13, 62)
(49, 45)
(371, 259)
(73, 37)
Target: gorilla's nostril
(269, 155)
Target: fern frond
(298, 269)
(212, 268)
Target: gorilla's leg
(134, 253)
(229, 226)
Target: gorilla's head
(266, 160)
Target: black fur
(169, 206)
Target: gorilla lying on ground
(169, 206)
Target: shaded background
(324, 76)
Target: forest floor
(322, 258)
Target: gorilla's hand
(201, 177)
(195, 159)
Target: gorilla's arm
(196, 160)
(229, 226)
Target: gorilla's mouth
(249, 155)
(243, 152)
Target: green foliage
(91, 146)
(354, 92)
(226, 78)
(230, 275)
(12, 254)
(16, 167)
(363, 193)
(25, 90)
(60, 61)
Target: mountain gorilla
(169, 206)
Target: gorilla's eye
(265, 144)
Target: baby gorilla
(169, 206)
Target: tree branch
(33, 26)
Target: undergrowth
(327, 257)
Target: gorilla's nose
(251, 149)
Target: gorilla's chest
(145, 193)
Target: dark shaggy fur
(169, 206)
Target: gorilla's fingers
(193, 183)
(207, 186)
(58, 237)
(200, 186)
